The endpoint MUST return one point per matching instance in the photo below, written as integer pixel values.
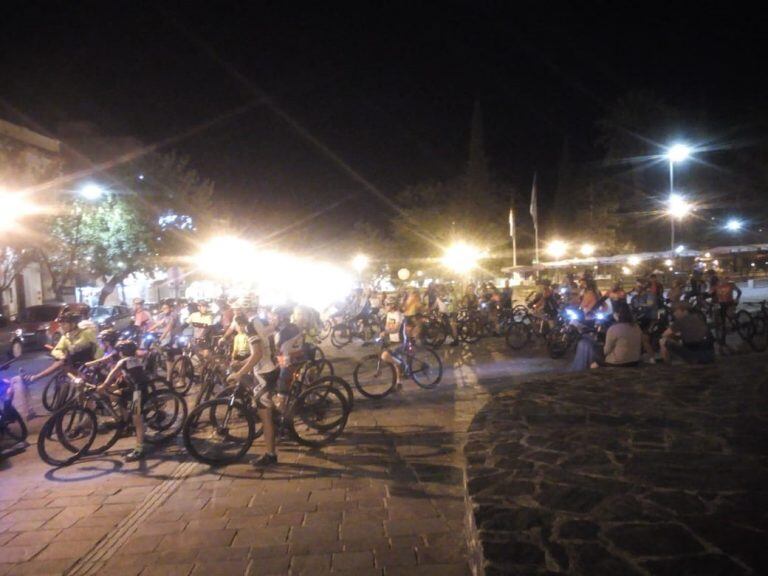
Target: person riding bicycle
(108, 340)
(289, 349)
(202, 328)
(394, 332)
(726, 303)
(131, 368)
(141, 317)
(255, 364)
(77, 345)
(169, 326)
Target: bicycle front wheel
(164, 413)
(340, 384)
(425, 367)
(14, 427)
(518, 335)
(745, 325)
(219, 432)
(318, 416)
(182, 374)
(374, 377)
(66, 436)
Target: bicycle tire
(12, 417)
(469, 331)
(52, 392)
(166, 424)
(182, 374)
(116, 429)
(340, 384)
(745, 325)
(340, 336)
(426, 376)
(313, 403)
(226, 394)
(50, 430)
(193, 424)
(381, 368)
(325, 332)
(518, 336)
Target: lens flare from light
(678, 207)
(678, 153)
(360, 262)
(734, 225)
(557, 248)
(587, 249)
(16, 206)
(633, 260)
(461, 257)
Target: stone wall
(657, 470)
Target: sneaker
(135, 454)
(265, 460)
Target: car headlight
(19, 332)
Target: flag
(534, 207)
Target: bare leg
(387, 357)
(268, 423)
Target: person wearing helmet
(289, 349)
(255, 363)
(76, 346)
(131, 368)
(394, 329)
(202, 327)
(169, 326)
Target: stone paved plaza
(654, 471)
(658, 470)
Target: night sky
(388, 89)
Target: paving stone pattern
(388, 498)
(659, 470)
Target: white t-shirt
(392, 325)
(266, 364)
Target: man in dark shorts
(688, 337)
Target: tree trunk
(110, 285)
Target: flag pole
(534, 210)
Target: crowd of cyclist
(263, 344)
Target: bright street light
(678, 153)
(91, 191)
(678, 208)
(557, 249)
(360, 262)
(461, 257)
(633, 260)
(680, 249)
(587, 249)
(734, 225)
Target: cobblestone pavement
(659, 470)
(387, 498)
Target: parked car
(117, 317)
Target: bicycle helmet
(138, 300)
(126, 347)
(69, 317)
(109, 336)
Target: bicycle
(375, 378)
(739, 321)
(70, 433)
(362, 327)
(12, 425)
(222, 430)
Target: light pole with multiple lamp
(678, 208)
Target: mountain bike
(376, 378)
(71, 432)
(222, 430)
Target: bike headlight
(600, 316)
(183, 340)
(572, 315)
(19, 332)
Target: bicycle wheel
(433, 334)
(318, 416)
(66, 436)
(374, 377)
(325, 331)
(164, 414)
(182, 374)
(13, 424)
(745, 325)
(469, 331)
(340, 384)
(53, 393)
(425, 367)
(518, 336)
(341, 335)
(519, 312)
(211, 380)
(219, 432)
(311, 371)
(109, 427)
